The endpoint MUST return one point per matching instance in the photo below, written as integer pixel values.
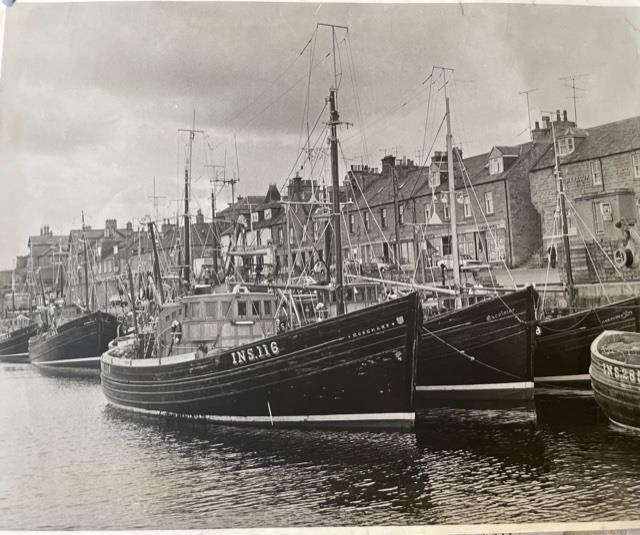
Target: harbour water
(68, 460)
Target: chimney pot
(564, 115)
(558, 115)
(537, 125)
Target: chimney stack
(558, 115)
(564, 115)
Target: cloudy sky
(92, 96)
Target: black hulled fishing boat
(355, 370)
(479, 355)
(476, 356)
(14, 345)
(73, 338)
(562, 350)
(75, 346)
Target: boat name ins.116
(252, 354)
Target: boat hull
(15, 346)
(354, 371)
(479, 356)
(616, 378)
(562, 353)
(76, 346)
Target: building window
(435, 178)
(383, 218)
(366, 220)
(596, 173)
(254, 217)
(445, 211)
(598, 224)
(496, 166)
(466, 203)
(267, 214)
(401, 214)
(446, 245)
(564, 146)
(635, 162)
(352, 223)
(280, 236)
(258, 238)
(488, 202)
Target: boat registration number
(620, 373)
(241, 357)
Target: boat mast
(86, 262)
(334, 121)
(565, 223)
(396, 214)
(156, 262)
(187, 220)
(452, 199)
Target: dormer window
(254, 217)
(496, 166)
(267, 214)
(564, 146)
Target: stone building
(600, 167)
(496, 221)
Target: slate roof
(412, 182)
(600, 141)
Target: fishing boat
(73, 337)
(480, 355)
(75, 346)
(14, 345)
(615, 376)
(562, 344)
(354, 371)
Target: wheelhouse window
(242, 309)
(255, 309)
(488, 202)
(352, 223)
(383, 218)
(596, 173)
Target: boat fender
(176, 331)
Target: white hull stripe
(66, 361)
(388, 416)
(5, 355)
(563, 378)
(489, 386)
